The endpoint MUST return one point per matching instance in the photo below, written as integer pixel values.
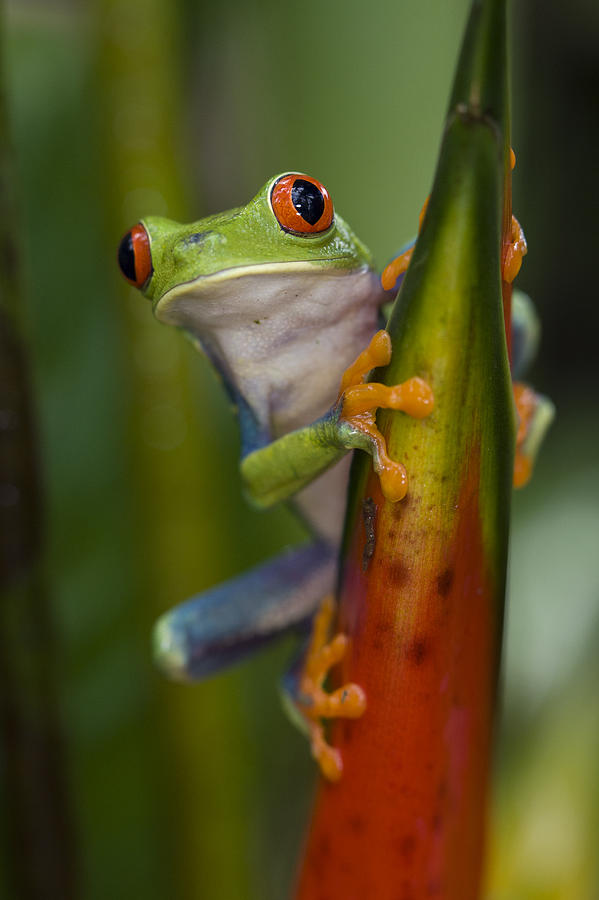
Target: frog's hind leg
(535, 414)
(225, 623)
(306, 699)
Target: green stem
(425, 618)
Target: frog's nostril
(134, 257)
(198, 238)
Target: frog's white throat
(282, 334)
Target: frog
(285, 301)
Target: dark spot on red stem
(444, 582)
(398, 573)
(356, 823)
(407, 846)
(417, 650)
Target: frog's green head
(290, 225)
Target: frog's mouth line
(214, 279)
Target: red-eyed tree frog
(284, 300)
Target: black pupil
(308, 200)
(127, 257)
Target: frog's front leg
(282, 468)
(360, 402)
(225, 623)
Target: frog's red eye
(135, 259)
(301, 204)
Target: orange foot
(515, 248)
(400, 264)
(316, 704)
(535, 414)
(513, 252)
(361, 401)
(396, 267)
(525, 399)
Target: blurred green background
(120, 108)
